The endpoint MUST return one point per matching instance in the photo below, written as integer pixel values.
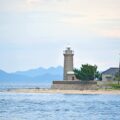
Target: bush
(87, 72)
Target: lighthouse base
(74, 85)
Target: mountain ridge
(40, 75)
(41, 71)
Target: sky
(34, 33)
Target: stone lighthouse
(68, 64)
(70, 82)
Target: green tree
(87, 72)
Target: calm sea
(5, 86)
(59, 107)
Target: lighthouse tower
(68, 64)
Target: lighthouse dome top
(68, 51)
(68, 46)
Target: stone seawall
(74, 85)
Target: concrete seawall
(74, 85)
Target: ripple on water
(59, 106)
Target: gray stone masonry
(74, 85)
(68, 61)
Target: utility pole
(119, 70)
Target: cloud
(92, 9)
(92, 16)
(28, 27)
(113, 33)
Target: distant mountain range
(40, 75)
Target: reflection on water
(59, 106)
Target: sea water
(6, 86)
(22, 106)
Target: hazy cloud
(30, 27)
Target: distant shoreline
(55, 91)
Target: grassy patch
(115, 86)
